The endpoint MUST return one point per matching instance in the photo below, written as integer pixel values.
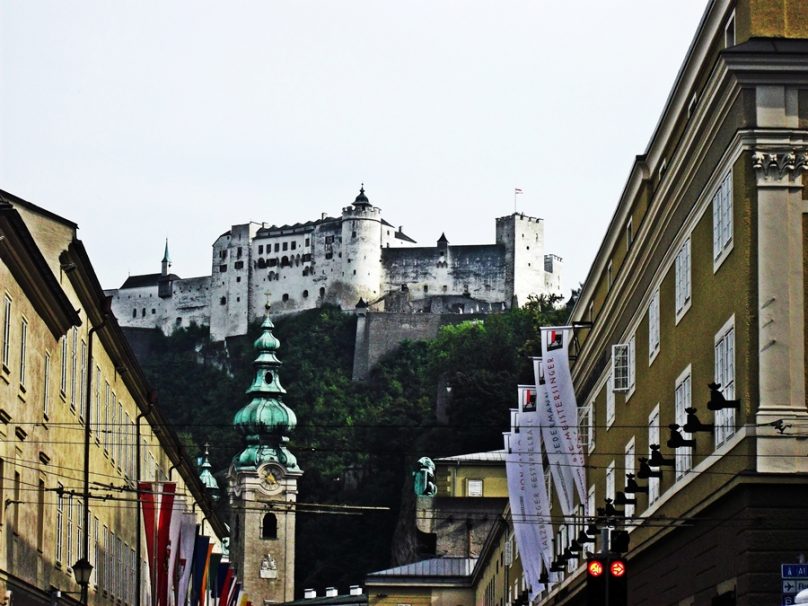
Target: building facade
(692, 376)
(64, 363)
(340, 260)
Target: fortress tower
(361, 249)
(262, 483)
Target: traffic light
(606, 577)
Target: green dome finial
(265, 422)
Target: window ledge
(681, 313)
(653, 355)
(719, 260)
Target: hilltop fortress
(356, 260)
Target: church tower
(262, 483)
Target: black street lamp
(82, 571)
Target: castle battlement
(338, 261)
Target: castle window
(238, 252)
(354, 272)
(223, 301)
(445, 288)
(222, 268)
(306, 257)
(307, 243)
(260, 249)
(134, 313)
(322, 292)
(285, 262)
(353, 234)
(426, 288)
(262, 263)
(269, 526)
(277, 247)
(239, 264)
(238, 299)
(285, 246)
(143, 313)
(285, 297)
(153, 311)
(238, 278)
(272, 262)
(305, 294)
(294, 245)
(179, 321)
(329, 239)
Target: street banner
(173, 548)
(199, 568)
(157, 503)
(561, 396)
(526, 537)
(187, 540)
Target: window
(307, 243)
(6, 333)
(17, 501)
(277, 247)
(40, 515)
(95, 561)
(305, 294)
(653, 438)
(223, 301)
(104, 560)
(682, 271)
(722, 220)
(631, 455)
(653, 327)
(97, 400)
(69, 531)
(106, 416)
(63, 380)
(474, 488)
(23, 349)
(73, 366)
(285, 297)
(588, 425)
(725, 377)
(60, 508)
(239, 264)
(260, 249)
(610, 481)
(622, 363)
(294, 245)
(609, 400)
(134, 313)
(79, 519)
(222, 268)
(285, 246)
(684, 455)
(590, 502)
(629, 235)
(83, 383)
(269, 526)
(46, 386)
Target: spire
(442, 241)
(361, 199)
(166, 263)
(265, 422)
(206, 477)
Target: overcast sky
(153, 119)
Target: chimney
(323, 216)
(330, 592)
(356, 590)
(308, 594)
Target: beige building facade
(64, 361)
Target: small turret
(206, 477)
(362, 200)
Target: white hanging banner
(536, 494)
(523, 527)
(560, 399)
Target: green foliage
(356, 442)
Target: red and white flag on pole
(517, 190)
(157, 503)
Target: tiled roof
(145, 280)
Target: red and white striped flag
(157, 501)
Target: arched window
(285, 262)
(322, 292)
(134, 313)
(269, 527)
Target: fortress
(355, 260)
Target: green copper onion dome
(265, 422)
(206, 477)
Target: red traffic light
(595, 568)
(617, 568)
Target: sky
(157, 119)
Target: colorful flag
(157, 503)
(187, 540)
(199, 568)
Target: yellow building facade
(63, 356)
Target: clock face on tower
(271, 477)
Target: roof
(146, 280)
(437, 567)
(400, 235)
(362, 598)
(491, 456)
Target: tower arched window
(269, 526)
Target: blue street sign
(794, 571)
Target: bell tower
(262, 483)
